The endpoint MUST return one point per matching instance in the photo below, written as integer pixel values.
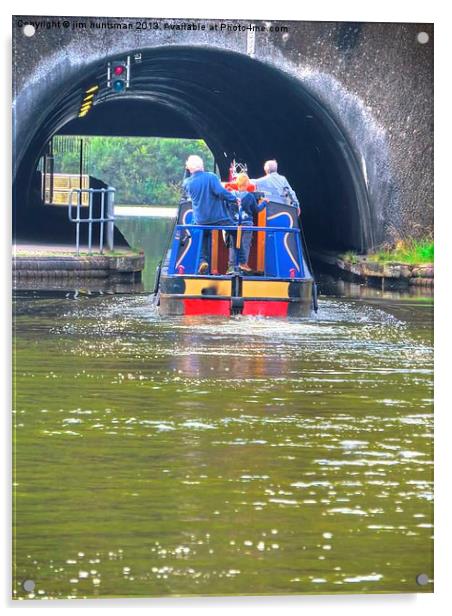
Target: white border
(331, 10)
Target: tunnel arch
(243, 108)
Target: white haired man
(209, 200)
(278, 188)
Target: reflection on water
(152, 235)
(221, 456)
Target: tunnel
(241, 107)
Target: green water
(210, 456)
(150, 235)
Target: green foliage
(412, 252)
(350, 257)
(143, 170)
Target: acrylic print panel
(213, 433)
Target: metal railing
(192, 228)
(106, 218)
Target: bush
(143, 170)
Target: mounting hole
(423, 38)
(422, 579)
(29, 30)
(28, 585)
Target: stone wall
(375, 80)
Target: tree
(143, 170)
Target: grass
(411, 252)
(350, 257)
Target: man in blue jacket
(209, 200)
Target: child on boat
(243, 216)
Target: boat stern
(236, 294)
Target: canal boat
(280, 283)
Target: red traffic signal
(118, 76)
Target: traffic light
(118, 75)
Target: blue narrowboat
(280, 283)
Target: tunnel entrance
(240, 107)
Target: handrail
(235, 227)
(297, 258)
(109, 218)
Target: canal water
(211, 456)
(152, 236)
